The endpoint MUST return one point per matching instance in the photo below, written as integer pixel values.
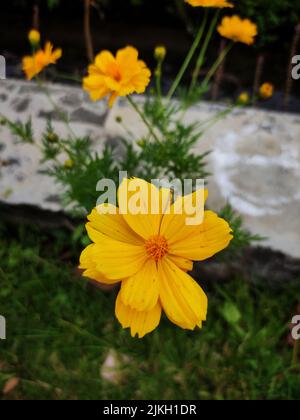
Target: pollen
(157, 247)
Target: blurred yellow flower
(151, 254)
(116, 76)
(33, 65)
(266, 91)
(34, 37)
(209, 3)
(244, 98)
(238, 30)
(160, 53)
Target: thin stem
(188, 58)
(158, 80)
(203, 51)
(216, 65)
(87, 30)
(144, 119)
(65, 76)
(258, 75)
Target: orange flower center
(157, 247)
(114, 72)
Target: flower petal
(141, 291)
(116, 260)
(211, 237)
(182, 299)
(174, 225)
(141, 203)
(88, 263)
(126, 56)
(106, 219)
(183, 263)
(104, 60)
(139, 322)
(95, 85)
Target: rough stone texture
(255, 156)
(21, 181)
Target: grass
(60, 330)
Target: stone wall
(255, 156)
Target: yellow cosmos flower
(238, 30)
(34, 37)
(266, 91)
(116, 76)
(209, 3)
(151, 254)
(33, 65)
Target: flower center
(157, 247)
(114, 72)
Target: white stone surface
(255, 157)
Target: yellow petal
(182, 299)
(95, 85)
(139, 322)
(140, 203)
(88, 263)
(106, 219)
(116, 260)
(141, 80)
(126, 56)
(174, 226)
(211, 237)
(183, 263)
(56, 55)
(141, 291)
(104, 60)
(112, 99)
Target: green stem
(158, 80)
(296, 351)
(203, 51)
(216, 65)
(144, 119)
(188, 58)
(69, 77)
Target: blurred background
(145, 24)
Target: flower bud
(160, 53)
(34, 37)
(68, 164)
(244, 98)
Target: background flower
(266, 90)
(116, 76)
(33, 65)
(238, 30)
(209, 3)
